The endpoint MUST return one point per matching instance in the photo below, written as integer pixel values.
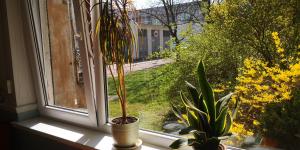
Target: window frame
(39, 23)
(97, 117)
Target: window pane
(166, 38)
(143, 44)
(146, 98)
(155, 37)
(63, 62)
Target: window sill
(72, 135)
(76, 136)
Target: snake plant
(207, 119)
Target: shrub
(281, 121)
(260, 84)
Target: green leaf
(207, 93)
(218, 107)
(234, 111)
(203, 118)
(221, 122)
(178, 143)
(186, 130)
(197, 98)
(188, 103)
(199, 136)
(228, 124)
(212, 143)
(203, 105)
(193, 120)
(178, 114)
(224, 101)
(194, 142)
(194, 93)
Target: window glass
(62, 57)
(155, 38)
(166, 38)
(142, 44)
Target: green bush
(281, 121)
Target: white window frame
(39, 23)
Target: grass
(146, 97)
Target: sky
(147, 3)
(142, 3)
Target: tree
(249, 24)
(174, 13)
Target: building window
(142, 44)
(155, 36)
(166, 37)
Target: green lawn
(146, 97)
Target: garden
(250, 48)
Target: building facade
(152, 35)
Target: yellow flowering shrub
(259, 84)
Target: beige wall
(6, 95)
(16, 61)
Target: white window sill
(75, 135)
(72, 135)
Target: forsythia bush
(259, 84)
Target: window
(142, 44)
(75, 87)
(64, 63)
(155, 36)
(166, 37)
(68, 70)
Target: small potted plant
(208, 120)
(116, 43)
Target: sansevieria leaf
(197, 98)
(186, 130)
(199, 135)
(193, 120)
(223, 102)
(203, 105)
(187, 102)
(178, 114)
(228, 124)
(178, 143)
(221, 122)
(208, 120)
(194, 93)
(207, 93)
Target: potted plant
(116, 43)
(208, 120)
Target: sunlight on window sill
(72, 133)
(57, 132)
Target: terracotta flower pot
(269, 142)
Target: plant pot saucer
(137, 146)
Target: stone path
(141, 66)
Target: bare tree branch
(172, 14)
